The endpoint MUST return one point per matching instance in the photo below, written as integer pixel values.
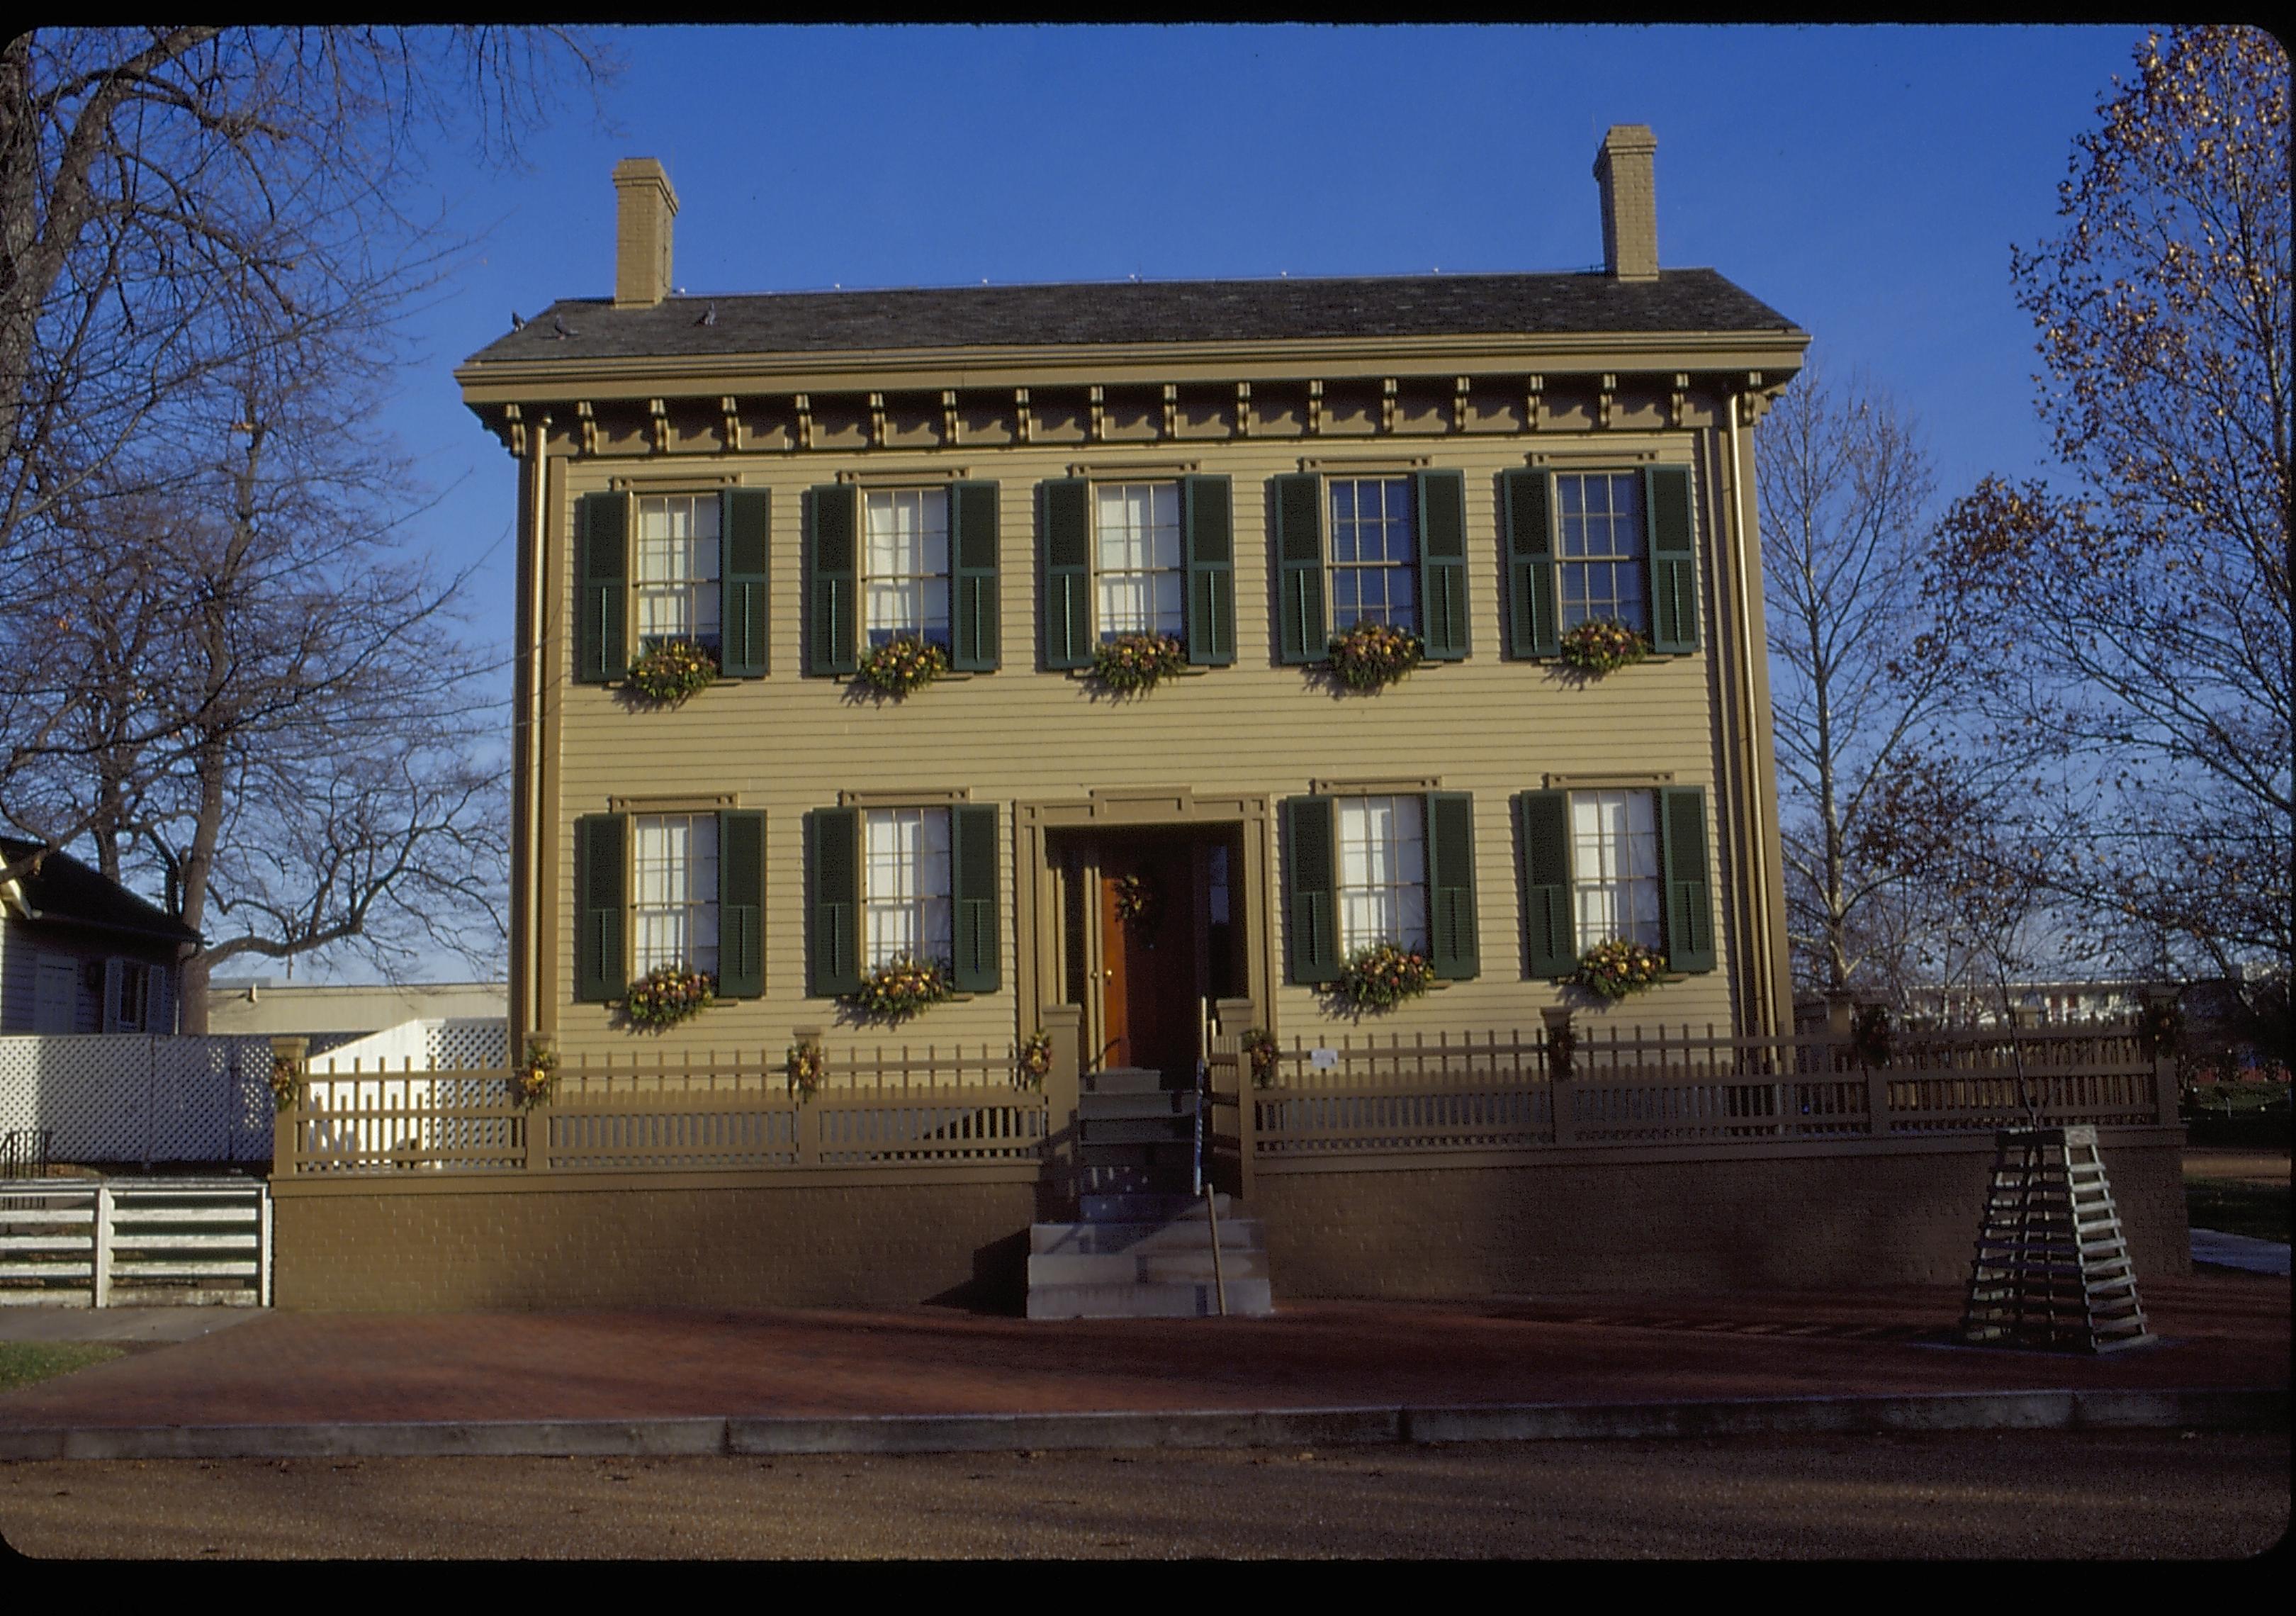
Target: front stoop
(1144, 1248)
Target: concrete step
(1151, 1267)
(1138, 1208)
(1250, 1298)
(1164, 1103)
(1238, 1234)
(1123, 1080)
(1138, 1131)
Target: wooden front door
(1149, 1013)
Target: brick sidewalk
(2228, 1330)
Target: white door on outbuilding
(55, 993)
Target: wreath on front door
(1137, 901)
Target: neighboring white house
(80, 953)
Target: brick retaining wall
(1775, 1222)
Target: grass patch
(2257, 1210)
(22, 1363)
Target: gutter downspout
(1748, 751)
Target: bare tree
(1845, 489)
(2137, 629)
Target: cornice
(906, 370)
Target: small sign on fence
(1323, 1060)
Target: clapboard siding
(788, 744)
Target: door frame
(1038, 908)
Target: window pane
(905, 564)
(674, 914)
(678, 559)
(1382, 863)
(1141, 585)
(1614, 867)
(1602, 543)
(904, 885)
(1374, 553)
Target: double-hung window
(673, 567)
(1388, 549)
(883, 564)
(678, 572)
(1363, 869)
(1600, 546)
(1610, 863)
(1382, 874)
(905, 887)
(673, 911)
(905, 565)
(1140, 577)
(669, 890)
(898, 883)
(1124, 556)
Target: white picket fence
(130, 1097)
(102, 1244)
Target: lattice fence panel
(469, 1043)
(128, 1097)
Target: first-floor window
(1142, 581)
(677, 585)
(904, 886)
(1599, 570)
(1374, 553)
(1615, 867)
(905, 565)
(675, 860)
(1383, 873)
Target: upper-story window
(1600, 571)
(674, 914)
(1140, 572)
(1374, 553)
(905, 564)
(1389, 549)
(677, 583)
(1601, 546)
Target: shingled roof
(1680, 300)
(64, 889)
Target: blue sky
(1866, 182)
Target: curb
(2247, 1408)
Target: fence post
(1560, 1039)
(286, 1121)
(262, 1244)
(1063, 1024)
(2166, 1106)
(1236, 1018)
(805, 1116)
(100, 1249)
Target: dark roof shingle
(1144, 311)
(63, 888)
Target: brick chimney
(645, 206)
(1622, 167)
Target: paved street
(2138, 1494)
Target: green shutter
(1532, 629)
(1443, 564)
(972, 897)
(744, 521)
(1205, 518)
(973, 592)
(1689, 894)
(1451, 884)
(1312, 927)
(1300, 636)
(832, 580)
(833, 869)
(600, 860)
(1673, 559)
(1067, 518)
(1547, 915)
(741, 905)
(602, 584)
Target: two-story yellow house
(1240, 472)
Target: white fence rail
(105, 1244)
(131, 1097)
